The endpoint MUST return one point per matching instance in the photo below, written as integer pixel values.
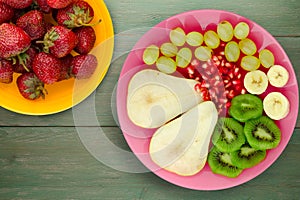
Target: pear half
(154, 98)
(182, 145)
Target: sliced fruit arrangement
(48, 41)
(229, 70)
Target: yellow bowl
(66, 94)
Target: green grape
(166, 65)
(184, 57)
(248, 47)
(232, 51)
(194, 38)
(241, 30)
(177, 36)
(211, 39)
(203, 53)
(250, 63)
(225, 31)
(151, 54)
(266, 58)
(168, 49)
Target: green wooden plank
(279, 17)
(51, 163)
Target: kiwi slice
(262, 133)
(228, 135)
(220, 163)
(246, 106)
(247, 156)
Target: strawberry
(59, 41)
(83, 66)
(17, 3)
(27, 61)
(43, 6)
(6, 12)
(86, 39)
(13, 40)
(77, 14)
(46, 67)
(33, 24)
(30, 86)
(58, 4)
(6, 71)
(65, 72)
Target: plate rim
(127, 137)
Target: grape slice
(168, 49)
(194, 38)
(211, 39)
(178, 37)
(248, 47)
(151, 54)
(232, 51)
(203, 53)
(225, 31)
(241, 30)
(266, 58)
(250, 63)
(184, 57)
(166, 65)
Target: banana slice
(278, 76)
(256, 82)
(276, 105)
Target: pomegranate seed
(228, 85)
(222, 53)
(229, 65)
(228, 104)
(197, 87)
(231, 94)
(215, 58)
(195, 63)
(236, 82)
(243, 91)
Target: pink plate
(138, 138)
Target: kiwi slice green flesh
(262, 133)
(220, 163)
(246, 106)
(228, 135)
(247, 156)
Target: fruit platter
(207, 99)
(54, 54)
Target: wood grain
(39, 163)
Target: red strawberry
(43, 6)
(6, 12)
(58, 4)
(6, 71)
(77, 14)
(65, 72)
(13, 40)
(17, 3)
(86, 39)
(33, 24)
(27, 61)
(46, 67)
(83, 66)
(59, 41)
(30, 86)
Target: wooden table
(42, 157)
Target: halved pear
(182, 145)
(154, 98)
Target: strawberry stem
(22, 60)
